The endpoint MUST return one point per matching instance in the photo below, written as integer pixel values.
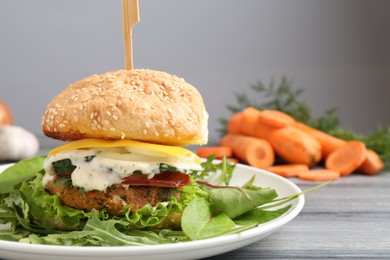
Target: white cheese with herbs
(97, 169)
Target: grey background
(338, 50)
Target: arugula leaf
(20, 172)
(210, 166)
(107, 232)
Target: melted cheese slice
(130, 145)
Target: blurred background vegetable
(5, 114)
(283, 97)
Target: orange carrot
(319, 175)
(348, 158)
(234, 124)
(373, 164)
(276, 118)
(5, 114)
(328, 142)
(253, 151)
(270, 120)
(295, 146)
(288, 170)
(219, 151)
(248, 121)
(263, 131)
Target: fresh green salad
(27, 211)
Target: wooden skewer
(130, 13)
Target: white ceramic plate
(187, 250)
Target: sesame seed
(144, 131)
(91, 116)
(115, 117)
(106, 122)
(112, 129)
(61, 125)
(108, 113)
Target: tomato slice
(169, 180)
(65, 175)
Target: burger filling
(98, 169)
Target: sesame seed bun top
(144, 105)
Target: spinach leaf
(235, 202)
(259, 216)
(20, 172)
(202, 220)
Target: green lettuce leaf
(20, 172)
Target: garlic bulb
(16, 143)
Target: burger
(124, 156)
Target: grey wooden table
(349, 218)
